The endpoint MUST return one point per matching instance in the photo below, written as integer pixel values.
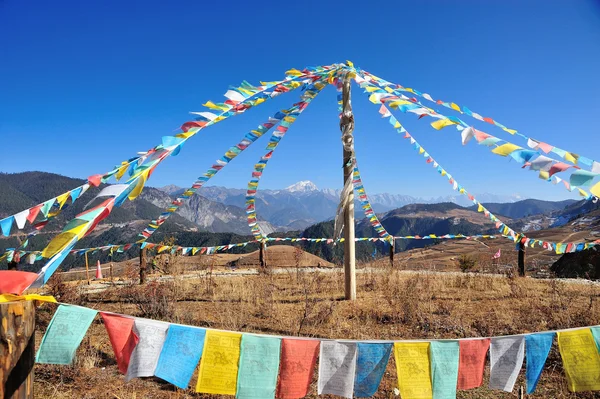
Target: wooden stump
(143, 262)
(17, 349)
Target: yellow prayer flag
(544, 175)
(293, 72)
(511, 131)
(421, 150)
(479, 207)
(397, 125)
(455, 107)
(371, 89)
(412, 366)
(442, 123)
(61, 199)
(188, 134)
(580, 360)
(28, 297)
(570, 157)
(122, 169)
(219, 364)
(506, 149)
(139, 186)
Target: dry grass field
(392, 304)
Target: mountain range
(215, 217)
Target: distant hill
(524, 208)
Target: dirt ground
(391, 305)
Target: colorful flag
(219, 364)
(370, 366)
(298, 359)
(506, 360)
(580, 360)
(259, 367)
(144, 358)
(497, 254)
(64, 334)
(337, 367)
(472, 362)
(413, 368)
(180, 354)
(122, 338)
(537, 347)
(444, 368)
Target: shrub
(466, 263)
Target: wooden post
(12, 265)
(262, 255)
(142, 265)
(392, 252)
(17, 349)
(521, 392)
(521, 260)
(87, 269)
(347, 127)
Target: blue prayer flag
(180, 354)
(370, 366)
(537, 347)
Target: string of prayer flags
(506, 360)
(144, 358)
(337, 368)
(370, 365)
(219, 365)
(413, 368)
(497, 145)
(395, 90)
(64, 334)
(285, 121)
(180, 354)
(30, 215)
(444, 368)
(366, 205)
(254, 96)
(472, 362)
(122, 338)
(259, 366)
(580, 358)
(537, 347)
(297, 364)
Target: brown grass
(391, 305)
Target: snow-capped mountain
(303, 203)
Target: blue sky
(87, 84)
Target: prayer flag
(219, 364)
(580, 360)
(506, 360)
(64, 334)
(122, 338)
(537, 347)
(298, 359)
(413, 367)
(337, 367)
(144, 358)
(444, 368)
(472, 362)
(180, 354)
(259, 366)
(370, 366)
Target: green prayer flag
(64, 334)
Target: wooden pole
(262, 255)
(17, 349)
(521, 260)
(142, 265)
(392, 252)
(87, 269)
(347, 127)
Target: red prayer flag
(472, 362)
(122, 338)
(33, 212)
(298, 358)
(15, 282)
